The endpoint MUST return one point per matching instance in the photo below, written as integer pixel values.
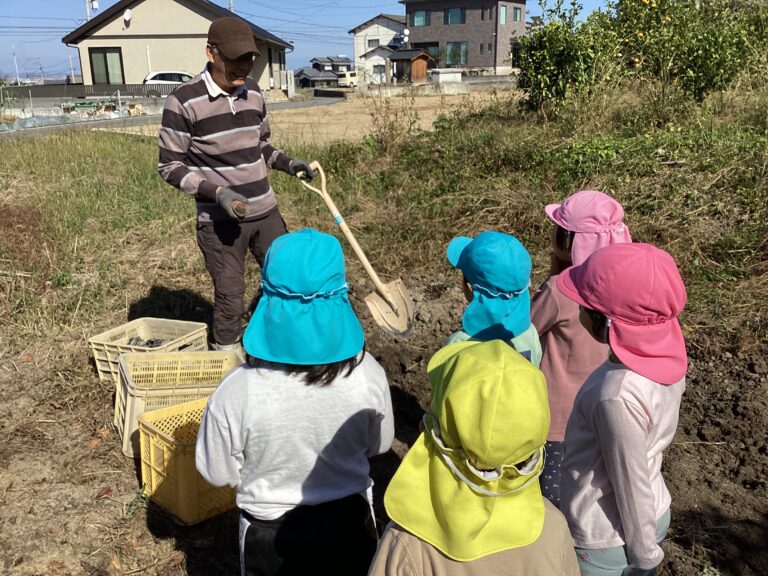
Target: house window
(482, 13)
(420, 18)
(517, 14)
(502, 15)
(454, 16)
(431, 48)
(456, 54)
(490, 48)
(373, 43)
(106, 65)
(515, 53)
(482, 48)
(378, 69)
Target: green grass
(698, 188)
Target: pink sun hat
(637, 286)
(596, 219)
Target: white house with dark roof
(135, 37)
(370, 37)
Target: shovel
(390, 305)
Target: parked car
(166, 77)
(348, 79)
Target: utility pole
(42, 76)
(90, 4)
(71, 69)
(16, 65)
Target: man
(214, 146)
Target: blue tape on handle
(339, 219)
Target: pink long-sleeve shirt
(568, 353)
(612, 490)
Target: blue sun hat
(498, 267)
(304, 316)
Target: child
(466, 498)
(583, 223)
(625, 414)
(293, 428)
(496, 276)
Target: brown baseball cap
(233, 36)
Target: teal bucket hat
(498, 267)
(304, 316)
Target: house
(338, 63)
(310, 77)
(387, 65)
(370, 37)
(466, 33)
(135, 37)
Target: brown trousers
(224, 245)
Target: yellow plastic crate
(176, 335)
(168, 470)
(152, 380)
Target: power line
(38, 18)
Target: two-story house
(466, 33)
(332, 63)
(374, 40)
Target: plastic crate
(168, 470)
(153, 380)
(176, 335)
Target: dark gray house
(471, 34)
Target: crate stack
(163, 374)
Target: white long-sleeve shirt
(612, 490)
(283, 443)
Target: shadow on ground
(736, 546)
(174, 304)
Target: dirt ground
(351, 119)
(70, 502)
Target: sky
(33, 29)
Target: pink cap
(596, 219)
(639, 288)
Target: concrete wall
(164, 35)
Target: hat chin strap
(480, 490)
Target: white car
(347, 79)
(167, 77)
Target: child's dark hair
(564, 239)
(314, 375)
(600, 323)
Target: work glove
(301, 169)
(232, 202)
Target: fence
(83, 91)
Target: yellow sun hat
(469, 486)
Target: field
(90, 238)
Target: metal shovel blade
(393, 311)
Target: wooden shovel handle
(323, 193)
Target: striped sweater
(209, 138)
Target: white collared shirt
(215, 90)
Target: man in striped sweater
(214, 146)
